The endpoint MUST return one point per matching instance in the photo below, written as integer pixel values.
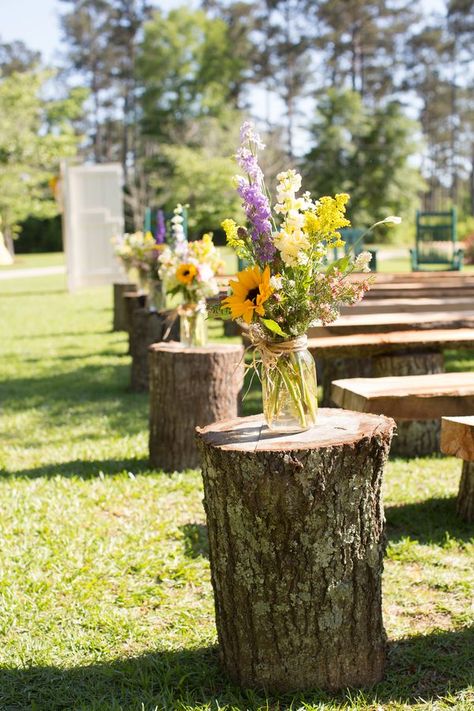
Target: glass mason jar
(142, 280)
(289, 386)
(193, 324)
(156, 298)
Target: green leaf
(340, 264)
(274, 327)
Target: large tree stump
(296, 539)
(190, 387)
(147, 327)
(121, 316)
(457, 439)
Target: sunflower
(249, 293)
(185, 273)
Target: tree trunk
(121, 320)
(190, 387)
(296, 538)
(147, 327)
(465, 501)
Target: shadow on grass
(196, 544)
(426, 667)
(86, 391)
(83, 468)
(433, 521)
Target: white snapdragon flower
(362, 261)
(276, 282)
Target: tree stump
(190, 387)
(121, 319)
(147, 327)
(296, 539)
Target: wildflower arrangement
(190, 269)
(138, 250)
(288, 285)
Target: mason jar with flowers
(189, 269)
(289, 284)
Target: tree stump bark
(408, 363)
(296, 539)
(465, 500)
(121, 318)
(147, 327)
(190, 387)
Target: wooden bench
(384, 354)
(457, 439)
(416, 403)
(381, 323)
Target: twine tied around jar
(270, 351)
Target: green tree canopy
(35, 133)
(365, 153)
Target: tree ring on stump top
(177, 347)
(334, 427)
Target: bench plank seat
(368, 344)
(409, 397)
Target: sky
(36, 22)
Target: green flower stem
(274, 396)
(306, 393)
(287, 379)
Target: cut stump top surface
(177, 347)
(372, 343)
(410, 397)
(333, 428)
(457, 437)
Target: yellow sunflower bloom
(249, 293)
(185, 273)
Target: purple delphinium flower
(160, 234)
(257, 209)
(249, 164)
(252, 191)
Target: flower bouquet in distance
(289, 285)
(138, 252)
(189, 269)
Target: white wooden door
(93, 214)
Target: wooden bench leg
(410, 363)
(330, 369)
(416, 438)
(465, 502)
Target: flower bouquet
(189, 269)
(138, 252)
(288, 285)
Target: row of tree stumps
(295, 523)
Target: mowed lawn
(105, 592)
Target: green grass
(30, 261)
(105, 593)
